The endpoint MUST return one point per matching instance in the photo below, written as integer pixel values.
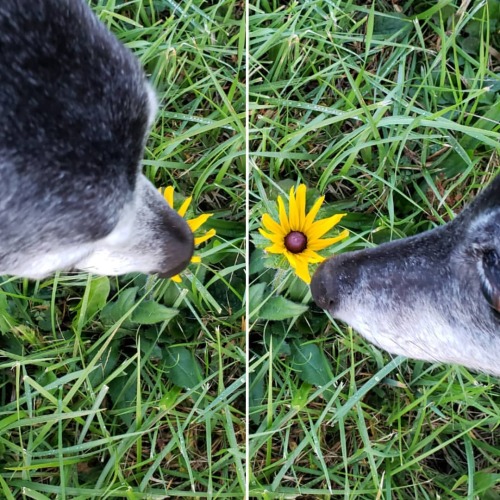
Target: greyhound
(75, 110)
(434, 296)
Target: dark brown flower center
(295, 242)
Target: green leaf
(150, 346)
(170, 399)
(386, 25)
(255, 298)
(311, 364)
(298, 290)
(150, 312)
(299, 399)
(227, 228)
(257, 261)
(485, 481)
(441, 5)
(259, 240)
(93, 300)
(98, 294)
(7, 321)
(107, 363)
(275, 339)
(181, 367)
(256, 397)
(123, 393)
(279, 308)
(113, 311)
(489, 121)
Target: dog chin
(44, 265)
(103, 262)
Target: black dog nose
(177, 269)
(176, 241)
(179, 250)
(319, 290)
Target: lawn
(133, 386)
(391, 110)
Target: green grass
(133, 387)
(393, 113)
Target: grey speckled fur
(75, 108)
(435, 296)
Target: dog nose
(178, 267)
(180, 250)
(175, 270)
(319, 290)
(331, 283)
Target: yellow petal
(320, 227)
(301, 206)
(182, 211)
(275, 248)
(195, 259)
(200, 239)
(196, 223)
(311, 256)
(290, 257)
(271, 225)
(302, 270)
(275, 238)
(285, 224)
(312, 213)
(269, 236)
(292, 211)
(176, 278)
(320, 244)
(168, 194)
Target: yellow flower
(194, 224)
(297, 236)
